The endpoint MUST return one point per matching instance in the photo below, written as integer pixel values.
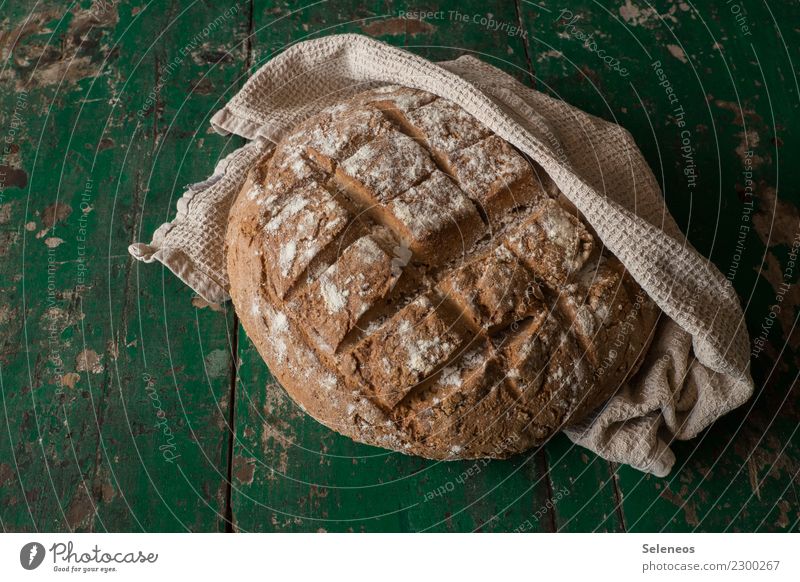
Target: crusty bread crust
(417, 284)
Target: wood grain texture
(115, 385)
(737, 92)
(93, 345)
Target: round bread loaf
(415, 283)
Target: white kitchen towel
(698, 367)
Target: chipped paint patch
(101, 14)
(647, 17)
(201, 303)
(5, 213)
(677, 52)
(16, 177)
(766, 453)
(7, 314)
(6, 474)
(783, 515)
(7, 240)
(217, 363)
(70, 379)
(740, 113)
(112, 349)
(44, 65)
(748, 140)
(107, 492)
(773, 273)
(752, 473)
(396, 26)
(244, 469)
(689, 507)
(53, 241)
(88, 361)
(81, 509)
(32, 24)
(55, 213)
(777, 221)
(58, 72)
(105, 143)
(552, 53)
(278, 435)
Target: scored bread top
(415, 283)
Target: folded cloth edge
(228, 176)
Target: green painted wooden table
(129, 404)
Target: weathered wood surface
(117, 382)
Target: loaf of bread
(415, 283)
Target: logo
(31, 555)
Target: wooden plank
(132, 436)
(80, 368)
(584, 493)
(49, 407)
(290, 473)
(741, 474)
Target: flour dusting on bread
(416, 283)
